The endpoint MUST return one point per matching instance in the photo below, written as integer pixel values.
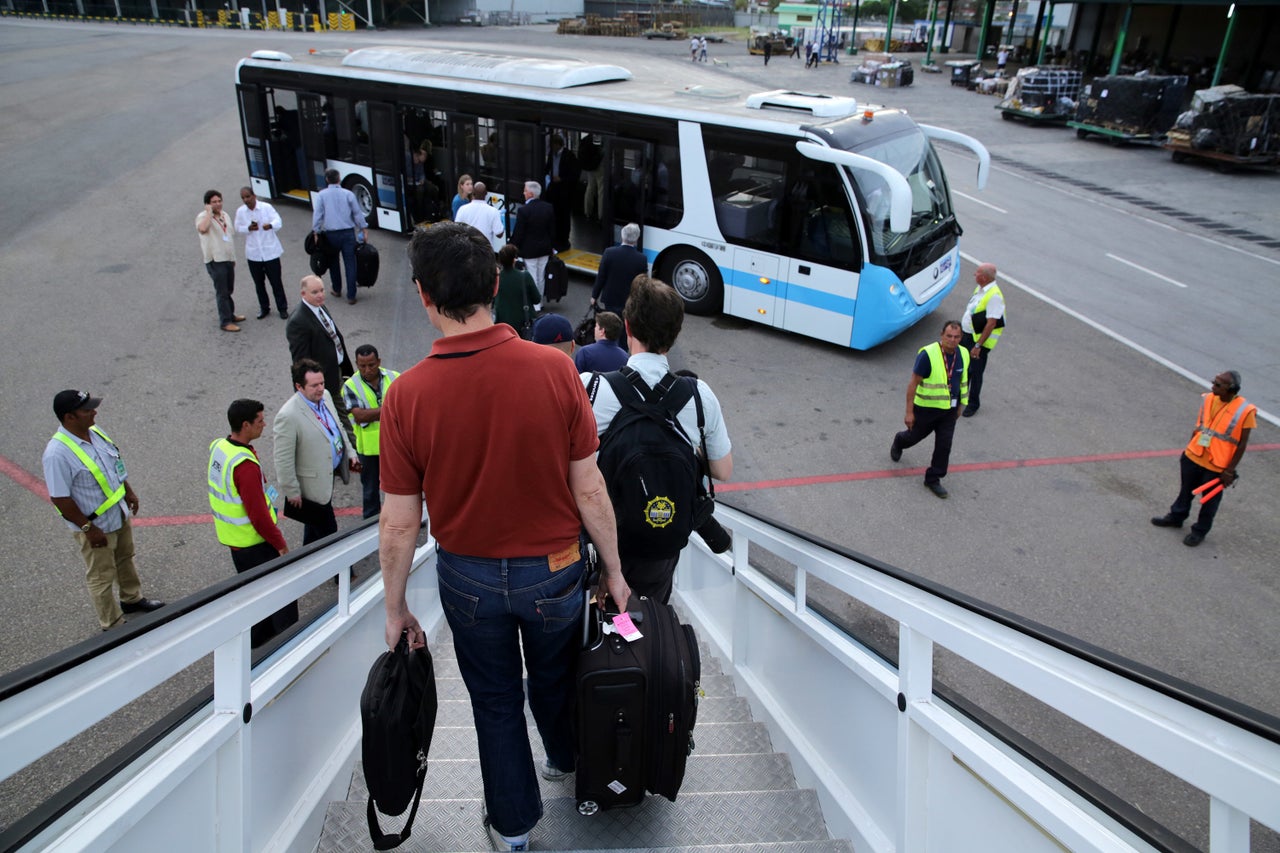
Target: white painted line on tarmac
(1215, 241)
(979, 201)
(1145, 270)
(1115, 336)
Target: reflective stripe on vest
(230, 519)
(1222, 444)
(113, 497)
(981, 308)
(369, 436)
(932, 393)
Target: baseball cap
(69, 401)
(552, 329)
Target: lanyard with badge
(335, 435)
(950, 364)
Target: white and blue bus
(804, 212)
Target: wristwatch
(84, 528)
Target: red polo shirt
(485, 428)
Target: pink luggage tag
(624, 626)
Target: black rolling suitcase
(637, 703)
(367, 264)
(555, 283)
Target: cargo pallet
(1116, 137)
(1010, 113)
(1223, 162)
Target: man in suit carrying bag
(310, 450)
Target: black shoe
(336, 292)
(142, 605)
(1166, 521)
(263, 313)
(937, 488)
(284, 314)
(1192, 539)
(895, 452)
(969, 411)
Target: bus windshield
(912, 155)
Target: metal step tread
(455, 711)
(754, 819)
(713, 687)
(459, 778)
(709, 739)
(446, 665)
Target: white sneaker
(501, 843)
(550, 772)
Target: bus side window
(746, 190)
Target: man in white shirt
(982, 325)
(259, 223)
(482, 216)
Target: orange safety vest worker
(1217, 434)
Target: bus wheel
(364, 197)
(696, 279)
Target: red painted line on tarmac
(823, 479)
(36, 486)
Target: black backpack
(649, 465)
(367, 264)
(398, 713)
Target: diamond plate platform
(738, 796)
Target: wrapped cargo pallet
(1141, 105)
(1042, 92)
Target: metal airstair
(736, 791)
(808, 732)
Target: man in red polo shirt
(509, 474)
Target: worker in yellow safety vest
(244, 515)
(939, 386)
(1216, 447)
(983, 324)
(88, 483)
(363, 395)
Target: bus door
(630, 181)
(463, 146)
(751, 288)
(311, 124)
(517, 157)
(257, 131)
(389, 155)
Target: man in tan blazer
(310, 448)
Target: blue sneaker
(500, 842)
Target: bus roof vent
(486, 67)
(821, 106)
(275, 55)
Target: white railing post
(1228, 828)
(915, 684)
(802, 590)
(232, 663)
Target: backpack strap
(703, 462)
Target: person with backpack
(659, 434)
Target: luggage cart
(1116, 136)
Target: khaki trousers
(109, 567)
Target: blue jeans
(496, 608)
(344, 242)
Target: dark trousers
(650, 578)
(261, 271)
(245, 559)
(344, 243)
(940, 422)
(977, 366)
(223, 274)
(370, 485)
(321, 528)
(1193, 477)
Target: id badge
(337, 445)
(120, 471)
(1204, 440)
(954, 402)
(226, 236)
(272, 494)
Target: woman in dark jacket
(517, 294)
